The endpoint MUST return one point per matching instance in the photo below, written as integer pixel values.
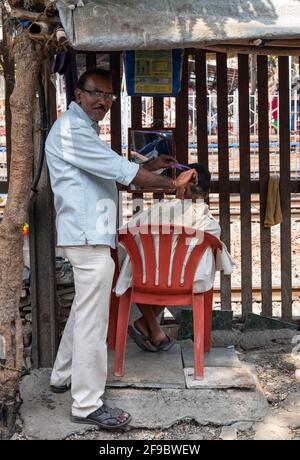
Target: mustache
(102, 107)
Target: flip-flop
(167, 344)
(142, 341)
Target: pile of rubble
(65, 295)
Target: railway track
(236, 293)
(234, 206)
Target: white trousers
(82, 353)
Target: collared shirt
(83, 173)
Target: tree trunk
(9, 77)
(27, 59)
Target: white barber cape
(179, 212)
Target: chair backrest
(165, 235)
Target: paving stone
(217, 357)
(148, 370)
(221, 377)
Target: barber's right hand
(185, 177)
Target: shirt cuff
(129, 171)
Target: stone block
(258, 322)
(221, 378)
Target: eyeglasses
(101, 94)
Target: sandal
(105, 417)
(142, 341)
(167, 344)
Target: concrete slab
(46, 415)
(217, 357)
(163, 408)
(221, 377)
(148, 370)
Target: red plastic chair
(177, 293)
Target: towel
(273, 214)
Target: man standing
(83, 173)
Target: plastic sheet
(101, 25)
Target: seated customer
(189, 209)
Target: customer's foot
(167, 344)
(142, 341)
(159, 338)
(60, 388)
(156, 341)
(105, 417)
(141, 327)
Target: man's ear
(77, 95)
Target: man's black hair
(107, 74)
(203, 176)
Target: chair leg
(198, 320)
(121, 337)
(113, 319)
(208, 300)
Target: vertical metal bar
(264, 173)
(91, 62)
(136, 112)
(136, 123)
(182, 115)
(201, 104)
(158, 122)
(223, 161)
(245, 178)
(42, 256)
(115, 112)
(158, 112)
(284, 143)
(3, 187)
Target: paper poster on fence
(153, 73)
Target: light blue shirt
(83, 173)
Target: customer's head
(200, 190)
(94, 93)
